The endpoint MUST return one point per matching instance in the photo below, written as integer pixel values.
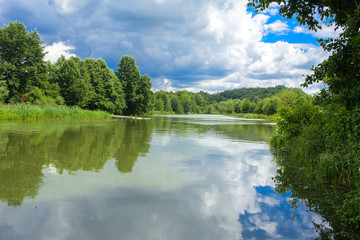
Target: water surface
(171, 177)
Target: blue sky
(209, 45)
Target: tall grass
(34, 112)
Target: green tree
(108, 94)
(75, 85)
(159, 104)
(237, 106)
(200, 102)
(226, 106)
(290, 97)
(245, 105)
(210, 109)
(21, 60)
(145, 94)
(137, 88)
(176, 104)
(259, 107)
(165, 100)
(4, 92)
(186, 103)
(270, 105)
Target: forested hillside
(252, 94)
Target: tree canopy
(21, 61)
(137, 88)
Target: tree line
(267, 102)
(89, 83)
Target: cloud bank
(195, 45)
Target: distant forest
(265, 101)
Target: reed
(34, 112)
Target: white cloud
(162, 84)
(277, 27)
(325, 32)
(57, 49)
(272, 10)
(67, 6)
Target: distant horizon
(208, 46)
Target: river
(171, 177)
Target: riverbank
(24, 111)
(35, 112)
(238, 115)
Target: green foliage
(186, 103)
(37, 97)
(137, 88)
(176, 105)
(75, 85)
(270, 105)
(162, 101)
(226, 107)
(107, 93)
(145, 94)
(21, 61)
(252, 94)
(4, 92)
(210, 109)
(89, 84)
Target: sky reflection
(194, 182)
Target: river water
(171, 177)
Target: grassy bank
(34, 112)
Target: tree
(74, 83)
(245, 105)
(270, 105)
(210, 109)
(4, 92)
(159, 104)
(176, 104)
(186, 103)
(145, 93)
(226, 106)
(165, 100)
(21, 60)
(290, 97)
(137, 88)
(107, 90)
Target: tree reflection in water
(26, 148)
(322, 199)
